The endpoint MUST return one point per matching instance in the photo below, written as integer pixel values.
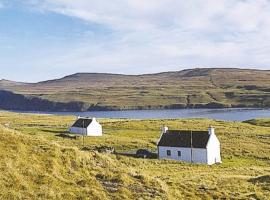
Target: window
(179, 153)
(168, 152)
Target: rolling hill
(193, 88)
(37, 162)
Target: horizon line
(142, 74)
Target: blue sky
(46, 39)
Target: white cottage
(190, 146)
(87, 127)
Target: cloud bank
(158, 35)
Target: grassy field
(37, 163)
(260, 122)
(187, 88)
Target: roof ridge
(178, 138)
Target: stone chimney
(211, 130)
(165, 129)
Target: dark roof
(82, 123)
(188, 139)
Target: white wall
(94, 129)
(198, 155)
(213, 150)
(76, 130)
(210, 155)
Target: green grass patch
(36, 163)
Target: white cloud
(161, 35)
(238, 15)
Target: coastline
(225, 114)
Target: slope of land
(38, 163)
(259, 122)
(195, 88)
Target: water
(234, 114)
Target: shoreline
(227, 114)
(125, 110)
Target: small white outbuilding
(86, 126)
(189, 146)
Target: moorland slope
(194, 88)
(37, 162)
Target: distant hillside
(11, 101)
(194, 88)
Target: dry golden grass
(38, 164)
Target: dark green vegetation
(259, 122)
(197, 88)
(36, 163)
